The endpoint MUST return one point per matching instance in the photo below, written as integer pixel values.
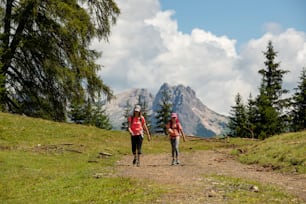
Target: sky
(213, 46)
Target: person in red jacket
(137, 124)
(175, 130)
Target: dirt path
(187, 183)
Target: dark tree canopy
(238, 119)
(143, 102)
(164, 112)
(128, 109)
(46, 62)
(269, 101)
(299, 104)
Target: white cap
(137, 108)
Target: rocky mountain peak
(196, 118)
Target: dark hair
(137, 112)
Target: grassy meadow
(285, 153)
(48, 162)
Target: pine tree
(45, 57)
(267, 121)
(145, 113)
(126, 114)
(299, 104)
(251, 116)
(238, 119)
(270, 104)
(99, 118)
(164, 112)
(77, 113)
(90, 113)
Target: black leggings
(136, 143)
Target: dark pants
(136, 143)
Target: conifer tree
(46, 62)
(269, 102)
(267, 121)
(145, 112)
(90, 113)
(99, 118)
(299, 104)
(77, 113)
(251, 116)
(238, 119)
(126, 114)
(164, 112)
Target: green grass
(235, 190)
(47, 162)
(285, 153)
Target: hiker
(137, 125)
(175, 130)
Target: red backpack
(176, 122)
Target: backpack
(132, 119)
(176, 122)
(141, 120)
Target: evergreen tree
(267, 121)
(45, 59)
(238, 119)
(99, 118)
(299, 104)
(77, 113)
(146, 115)
(88, 110)
(270, 104)
(251, 116)
(164, 112)
(90, 113)
(126, 114)
(142, 101)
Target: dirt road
(188, 184)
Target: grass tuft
(235, 190)
(285, 153)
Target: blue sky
(213, 46)
(238, 19)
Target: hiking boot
(134, 161)
(173, 162)
(177, 161)
(138, 163)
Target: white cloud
(146, 49)
(290, 47)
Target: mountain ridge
(196, 118)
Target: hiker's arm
(183, 134)
(168, 129)
(147, 131)
(129, 129)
